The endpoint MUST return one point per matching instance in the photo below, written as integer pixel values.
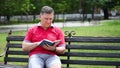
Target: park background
(104, 13)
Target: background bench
(98, 51)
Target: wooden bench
(87, 51)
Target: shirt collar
(39, 25)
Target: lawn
(108, 28)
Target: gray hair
(46, 9)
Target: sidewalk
(58, 24)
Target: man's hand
(48, 47)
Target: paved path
(59, 24)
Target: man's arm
(28, 46)
(60, 50)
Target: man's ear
(40, 17)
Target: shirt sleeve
(28, 36)
(62, 38)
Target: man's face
(46, 19)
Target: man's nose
(49, 21)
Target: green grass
(108, 28)
(3, 41)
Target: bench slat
(73, 46)
(82, 62)
(11, 45)
(93, 47)
(17, 52)
(87, 54)
(93, 39)
(13, 59)
(15, 38)
(89, 62)
(80, 54)
(75, 39)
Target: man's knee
(56, 66)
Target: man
(44, 55)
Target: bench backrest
(93, 50)
(14, 51)
(80, 50)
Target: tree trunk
(106, 15)
(92, 13)
(8, 18)
(34, 17)
(0, 18)
(83, 12)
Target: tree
(1, 7)
(10, 8)
(27, 7)
(107, 5)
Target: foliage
(27, 7)
(18, 7)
